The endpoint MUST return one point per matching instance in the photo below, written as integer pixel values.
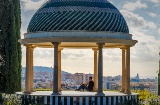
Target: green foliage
(10, 99)
(13, 99)
(1, 99)
(41, 89)
(10, 48)
(32, 101)
(159, 84)
(143, 94)
(147, 98)
(154, 100)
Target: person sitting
(88, 86)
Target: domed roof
(81, 15)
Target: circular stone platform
(81, 98)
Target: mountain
(43, 69)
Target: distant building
(109, 85)
(115, 87)
(48, 85)
(118, 78)
(79, 78)
(109, 78)
(66, 76)
(135, 79)
(89, 75)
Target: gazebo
(91, 24)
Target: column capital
(55, 43)
(95, 49)
(60, 48)
(125, 47)
(30, 46)
(100, 44)
(128, 47)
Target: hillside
(43, 69)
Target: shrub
(41, 89)
(32, 101)
(147, 98)
(10, 99)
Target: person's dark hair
(90, 77)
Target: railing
(81, 100)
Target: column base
(27, 92)
(127, 92)
(56, 93)
(33, 91)
(122, 91)
(100, 94)
(95, 90)
(60, 89)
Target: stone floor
(76, 93)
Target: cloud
(131, 6)
(144, 55)
(152, 14)
(31, 5)
(74, 55)
(133, 20)
(154, 1)
(136, 21)
(159, 30)
(151, 25)
(146, 50)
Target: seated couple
(88, 86)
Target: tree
(159, 84)
(10, 48)
(159, 76)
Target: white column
(127, 76)
(95, 70)
(100, 70)
(32, 70)
(123, 70)
(28, 72)
(55, 79)
(59, 69)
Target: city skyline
(44, 69)
(143, 24)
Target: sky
(143, 19)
